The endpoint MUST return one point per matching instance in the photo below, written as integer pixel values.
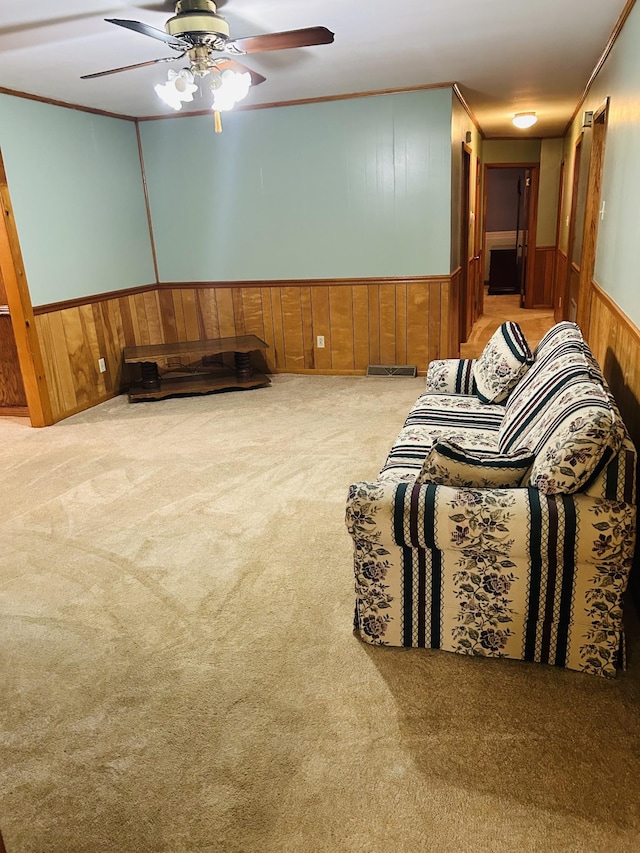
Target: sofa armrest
(493, 523)
(492, 572)
(451, 376)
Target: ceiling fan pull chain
(217, 121)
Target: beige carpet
(179, 673)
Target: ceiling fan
(199, 33)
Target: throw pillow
(504, 360)
(448, 464)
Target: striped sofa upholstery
(498, 572)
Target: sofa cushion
(560, 335)
(464, 419)
(451, 376)
(577, 435)
(448, 464)
(552, 372)
(504, 360)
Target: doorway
(510, 209)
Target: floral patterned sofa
(503, 521)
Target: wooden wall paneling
(52, 378)
(95, 387)
(154, 316)
(254, 323)
(387, 323)
(450, 335)
(321, 326)
(341, 318)
(170, 316)
(238, 311)
(401, 324)
(292, 328)
(269, 335)
(373, 299)
(418, 325)
(307, 328)
(139, 317)
(615, 341)
(126, 304)
(278, 327)
(81, 345)
(12, 391)
(110, 339)
(560, 278)
(434, 320)
(208, 311)
(61, 353)
(544, 277)
(253, 312)
(360, 294)
(574, 287)
(226, 314)
(362, 322)
(193, 329)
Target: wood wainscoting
(615, 341)
(544, 277)
(365, 321)
(559, 295)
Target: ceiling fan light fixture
(178, 89)
(229, 88)
(524, 120)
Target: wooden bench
(185, 378)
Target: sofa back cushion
(577, 435)
(558, 336)
(504, 360)
(560, 362)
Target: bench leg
(243, 365)
(150, 375)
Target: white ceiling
(507, 56)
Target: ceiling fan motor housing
(198, 21)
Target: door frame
(21, 312)
(575, 187)
(592, 215)
(467, 302)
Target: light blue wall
(616, 269)
(353, 188)
(76, 189)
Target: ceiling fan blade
(232, 65)
(145, 30)
(129, 67)
(282, 41)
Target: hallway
(497, 309)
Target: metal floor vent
(392, 370)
